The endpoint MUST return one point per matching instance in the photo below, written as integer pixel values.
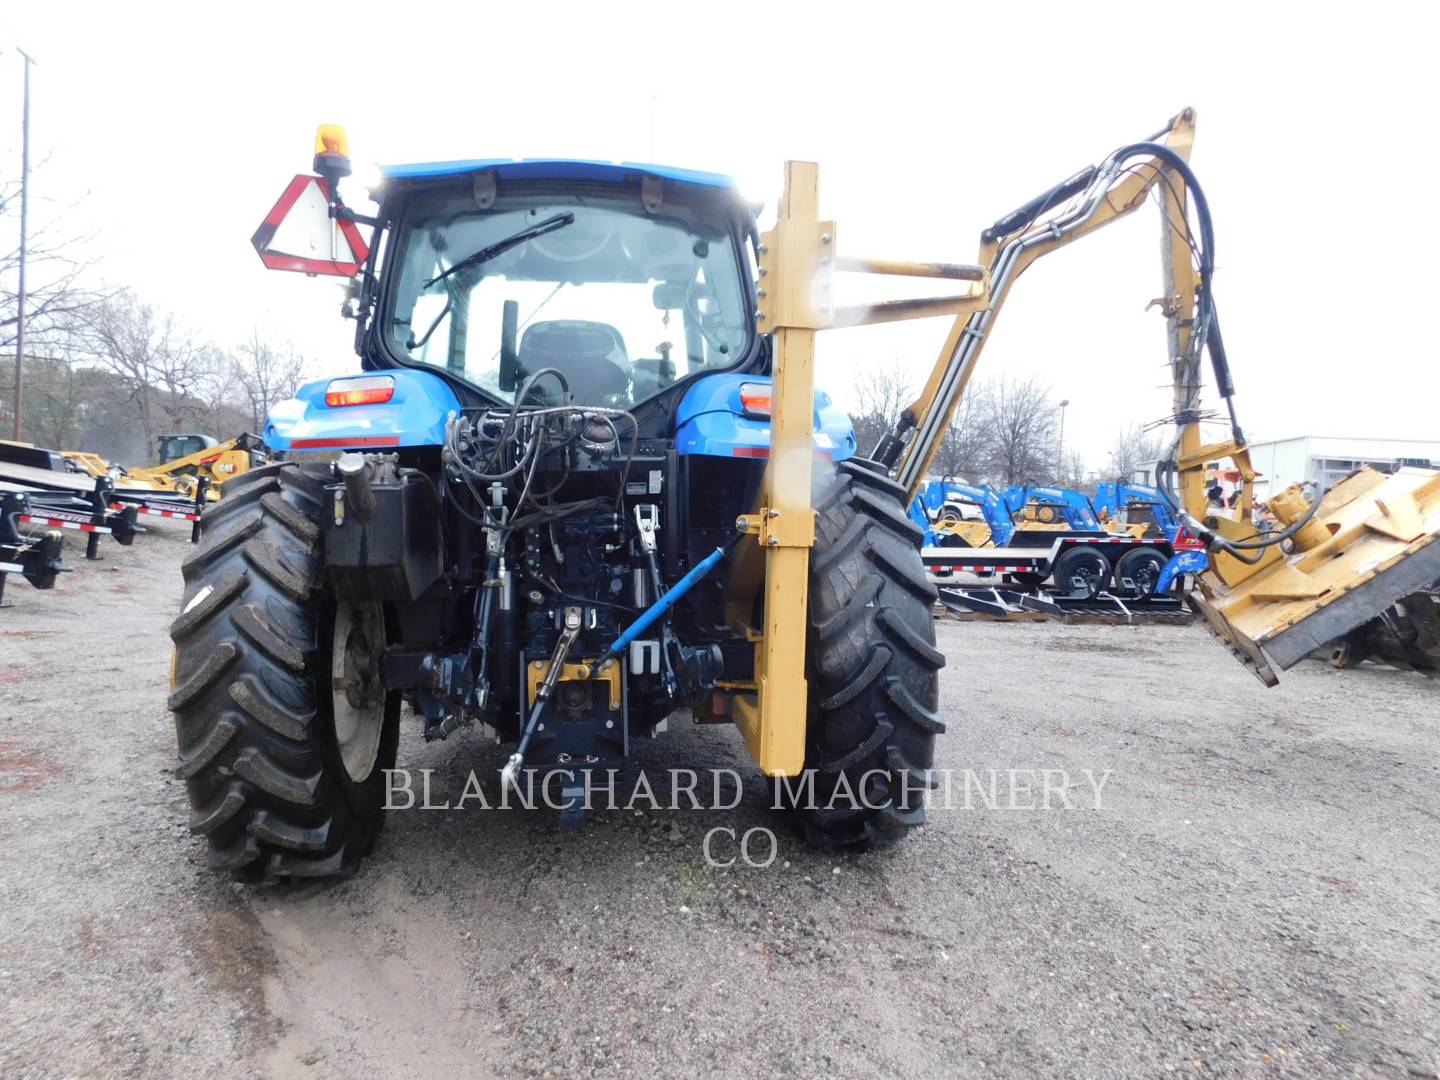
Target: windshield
(622, 303)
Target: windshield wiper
(485, 254)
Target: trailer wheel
(1141, 566)
(1081, 572)
(872, 666)
(283, 729)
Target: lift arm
(1082, 204)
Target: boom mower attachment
(1368, 546)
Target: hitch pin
(511, 772)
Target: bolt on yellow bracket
(797, 263)
(772, 720)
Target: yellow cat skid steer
(186, 458)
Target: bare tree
(54, 296)
(1003, 431)
(965, 448)
(159, 366)
(1072, 473)
(221, 395)
(266, 374)
(1020, 417)
(881, 395)
(55, 299)
(1135, 449)
(55, 402)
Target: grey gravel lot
(1259, 893)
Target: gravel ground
(1256, 895)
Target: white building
(1324, 461)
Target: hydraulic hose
(1165, 471)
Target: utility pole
(1060, 442)
(24, 220)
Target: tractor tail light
(755, 398)
(371, 390)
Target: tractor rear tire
(872, 665)
(284, 771)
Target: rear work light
(370, 390)
(755, 398)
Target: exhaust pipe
(356, 470)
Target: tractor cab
(618, 281)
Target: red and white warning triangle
(299, 233)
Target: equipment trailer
(94, 504)
(543, 522)
(1075, 564)
(36, 558)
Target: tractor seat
(591, 356)
(651, 374)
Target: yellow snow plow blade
(1371, 543)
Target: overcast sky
(168, 132)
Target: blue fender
(1182, 562)
(712, 421)
(414, 416)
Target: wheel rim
(1087, 576)
(1147, 574)
(356, 693)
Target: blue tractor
(1052, 506)
(583, 482)
(1132, 503)
(522, 516)
(942, 502)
